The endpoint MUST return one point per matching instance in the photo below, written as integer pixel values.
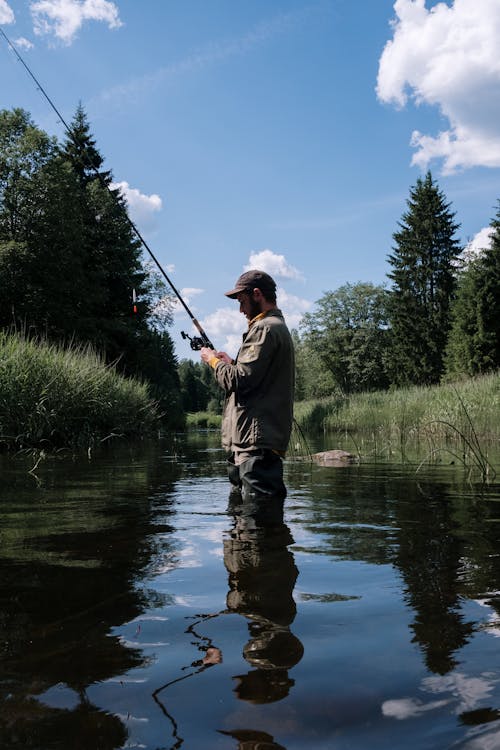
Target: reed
(460, 416)
(52, 396)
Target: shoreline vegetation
(53, 396)
(462, 418)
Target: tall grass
(203, 419)
(53, 396)
(462, 416)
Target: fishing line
(195, 341)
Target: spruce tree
(423, 285)
(114, 264)
(474, 342)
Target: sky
(283, 135)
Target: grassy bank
(203, 420)
(463, 417)
(52, 396)
(465, 413)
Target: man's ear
(257, 294)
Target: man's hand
(225, 357)
(207, 355)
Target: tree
(199, 389)
(41, 249)
(113, 252)
(69, 257)
(474, 341)
(312, 379)
(423, 286)
(348, 333)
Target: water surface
(140, 608)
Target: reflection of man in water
(262, 575)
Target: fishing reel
(196, 342)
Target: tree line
(70, 263)
(438, 319)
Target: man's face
(249, 306)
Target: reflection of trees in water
(429, 557)
(436, 533)
(67, 576)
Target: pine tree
(114, 265)
(423, 286)
(474, 342)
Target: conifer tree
(423, 286)
(114, 266)
(474, 342)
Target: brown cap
(252, 280)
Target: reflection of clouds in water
(490, 741)
(407, 708)
(466, 692)
(493, 623)
(210, 534)
(128, 718)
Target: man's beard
(255, 309)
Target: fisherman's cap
(252, 280)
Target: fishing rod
(196, 342)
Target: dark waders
(258, 476)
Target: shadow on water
(139, 609)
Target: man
(259, 385)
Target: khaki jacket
(259, 388)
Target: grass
(53, 396)
(203, 419)
(460, 417)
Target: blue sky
(279, 134)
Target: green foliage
(199, 390)
(204, 419)
(347, 334)
(52, 396)
(312, 378)
(69, 257)
(423, 286)
(451, 416)
(474, 342)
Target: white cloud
(64, 18)
(142, 207)
(6, 13)
(226, 325)
(187, 294)
(273, 264)
(23, 43)
(481, 241)
(447, 56)
(293, 307)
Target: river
(141, 608)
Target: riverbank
(463, 412)
(52, 396)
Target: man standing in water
(259, 385)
